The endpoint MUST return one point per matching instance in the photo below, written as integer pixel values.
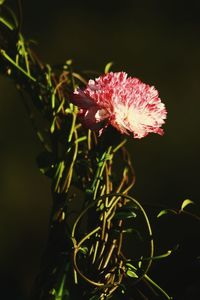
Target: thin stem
(100, 172)
(21, 41)
(73, 123)
(157, 286)
(20, 15)
(76, 249)
(88, 236)
(6, 56)
(68, 179)
(187, 213)
(147, 223)
(6, 23)
(120, 145)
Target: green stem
(74, 109)
(147, 223)
(157, 286)
(88, 236)
(25, 54)
(6, 23)
(6, 56)
(99, 172)
(67, 182)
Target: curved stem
(147, 223)
(158, 287)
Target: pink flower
(126, 103)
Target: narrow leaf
(125, 214)
(107, 67)
(165, 212)
(132, 274)
(186, 203)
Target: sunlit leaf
(84, 250)
(125, 214)
(165, 212)
(107, 67)
(131, 270)
(185, 203)
(131, 273)
(69, 62)
(130, 266)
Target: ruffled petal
(128, 104)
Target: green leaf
(130, 266)
(165, 212)
(108, 66)
(84, 250)
(185, 203)
(131, 270)
(125, 214)
(133, 231)
(69, 62)
(131, 273)
(62, 292)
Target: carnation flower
(126, 103)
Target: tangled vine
(93, 217)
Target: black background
(157, 41)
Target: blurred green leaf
(166, 211)
(131, 270)
(107, 67)
(185, 203)
(68, 62)
(62, 291)
(84, 250)
(130, 266)
(132, 274)
(125, 214)
(45, 162)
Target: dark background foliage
(157, 41)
